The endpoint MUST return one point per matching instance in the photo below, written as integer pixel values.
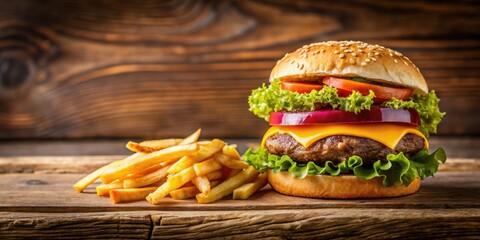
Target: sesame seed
(323, 50)
(377, 53)
(335, 52)
(341, 55)
(391, 54)
(354, 54)
(297, 65)
(405, 62)
(352, 61)
(316, 52)
(367, 60)
(373, 59)
(360, 50)
(301, 67)
(363, 64)
(395, 60)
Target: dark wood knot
(36, 182)
(25, 49)
(13, 72)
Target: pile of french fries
(179, 168)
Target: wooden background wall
(75, 69)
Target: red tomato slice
(301, 87)
(382, 93)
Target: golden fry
(203, 143)
(104, 189)
(184, 162)
(214, 175)
(148, 160)
(90, 178)
(202, 183)
(192, 138)
(208, 150)
(188, 192)
(206, 167)
(144, 172)
(230, 162)
(147, 179)
(227, 187)
(248, 189)
(136, 147)
(162, 143)
(231, 151)
(233, 172)
(174, 182)
(130, 195)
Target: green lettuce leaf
(427, 108)
(396, 170)
(273, 98)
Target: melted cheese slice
(385, 133)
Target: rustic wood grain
(270, 224)
(54, 193)
(112, 225)
(319, 224)
(75, 69)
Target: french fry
(147, 179)
(144, 172)
(148, 160)
(137, 147)
(202, 183)
(203, 143)
(104, 189)
(174, 182)
(192, 138)
(184, 162)
(188, 192)
(231, 151)
(90, 178)
(227, 187)
(230, 162)
(248, 189)
(205, 167)
(130, 195)
(233, 172)
(208, 150)
(214, 175)
(162, 143)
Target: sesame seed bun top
(349, 59)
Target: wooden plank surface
(77, 69)
(267, 224)
(54, 193)
(37, 201)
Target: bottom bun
(344, 186)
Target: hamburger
(348, 120)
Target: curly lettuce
(427, 108)
(396, 170)
(273, 98)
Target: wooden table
(37, 201)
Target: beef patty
(338, 148)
